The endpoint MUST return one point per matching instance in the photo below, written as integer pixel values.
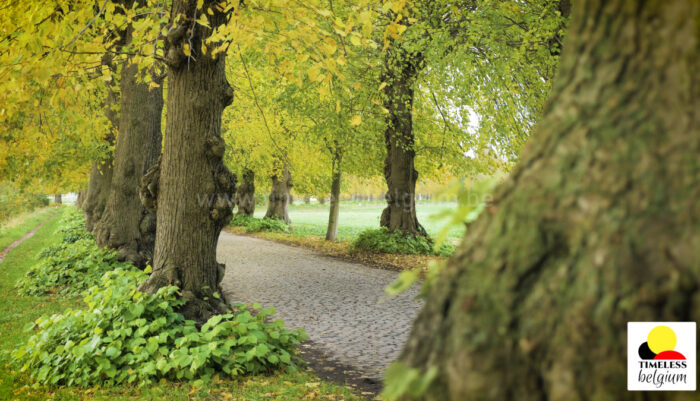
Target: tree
(50, 95)
(126, 225)
(596, 226)
(100, 182)
(245, 194)
(192, 186)
(401, 69)
(279, 199)
(444, 51)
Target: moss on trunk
(598, 224)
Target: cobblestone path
(338, 303)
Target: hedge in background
(251, 224)
(384, 241)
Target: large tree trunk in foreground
(245, 194)
(400, 72)
(192, 186)
(279, 199)
(126, 225)
(598, 225)
(332, 230)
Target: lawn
(312, 219)
(16, 227)
(17, 311)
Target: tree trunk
(245, 194)
(101, 174)
(400, 72)
(332, 231)
(598, 224)
(80, 200)
(322, 200)
(278, 201)
(126, 225)
(98, 189)
(307, 199)
(57, 199)
(191, 186)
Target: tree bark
(57, 199)
(126, 225)
(245, 194)
(332, 230)
(191, 188)
(597, 225)
(279, 199)
(80, 200)
(101, 173)
(401, 69)
(98, 189)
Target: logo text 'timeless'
(660, 361)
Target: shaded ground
(339, 304)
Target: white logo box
(661, 377)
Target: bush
(384, 241)
(127, 336)
(71, 266)
(251, 224)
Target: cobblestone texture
(340, 305)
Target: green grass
(16, 312)
(17, 227)
(355, 217)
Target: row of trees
(346, 87)
(323, 90)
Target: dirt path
(28, 235)
(340, 304)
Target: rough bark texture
(598, 225)
(245, 194)
(332, 230)
(101, 174)
(191, 185)
(400, 72)
(98, 190)
(279, 199)
(57, 199)
(126, 225)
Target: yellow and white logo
(661, 356)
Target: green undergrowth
(126, 336)
(53, 312)
(118, 343)
(384, 241)
(252, 224)
(72, 264)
